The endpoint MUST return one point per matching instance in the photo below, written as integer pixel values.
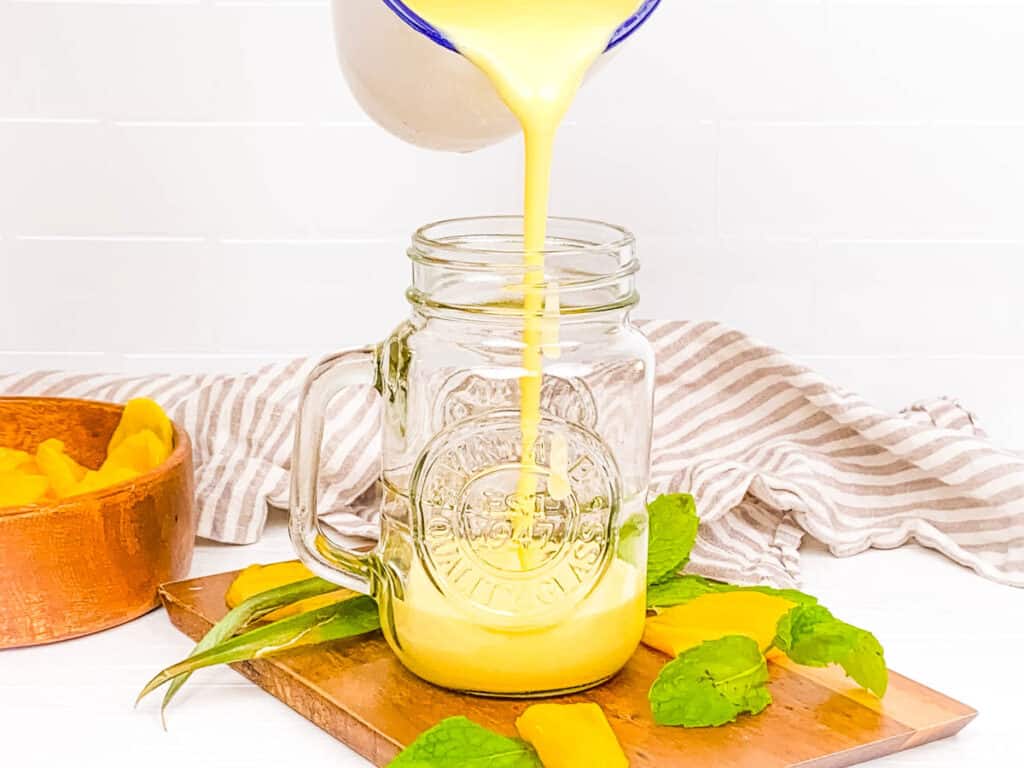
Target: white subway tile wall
(188, 185)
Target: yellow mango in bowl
(11, 459)
(104, 478)
(63, 472)
(140, 452)
(141, 414)
(18, 488)
(143, 439)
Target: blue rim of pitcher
(423, 27)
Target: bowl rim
(182, 450)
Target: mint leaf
(684, 588)
(711, 684)
(681, 589)
(793, 595)
(458, 742)
(812, 636)
(673, 531)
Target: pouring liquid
(535, 53)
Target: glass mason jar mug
(498, 573)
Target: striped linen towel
(770, 450)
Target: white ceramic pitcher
(411, 81)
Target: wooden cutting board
(359, 693)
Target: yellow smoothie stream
(536, 53)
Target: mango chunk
(18, 489)
(716, 615)
(143, 440)
(63, 472)
(310, 604)
(104, 478)
(30, 467)
(140, 452)
(11, 459)
(571, 736)
(259, 578)
(141, 414)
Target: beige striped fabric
(771, 451)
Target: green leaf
(793, 595)
(244, 613)
(711, 684)
(348, 618)
(458, 741)
(684, 588)
(812, 636)
(673, 531)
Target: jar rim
(476, 263)
(618, 238)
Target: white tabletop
(71, 703)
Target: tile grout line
(366, 123)
(125, 123)
(155, 3)
(390, 239)
(115, 238)
(210, 239)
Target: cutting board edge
(940, 731)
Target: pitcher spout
(409, 78)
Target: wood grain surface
(357, 691)
(89, 562)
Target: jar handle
(355, 570)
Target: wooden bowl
(89, 562)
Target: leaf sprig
(221, 645)
(718, 680)
(240, 616)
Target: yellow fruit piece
(104, 478)
(710, 617)
(259, 578)
(309, 604)
(11, 459)
(18, 489)
(140, 414)
(571, 736)
(63, 471)
(144, 439)
(139, 452)
(30, 467)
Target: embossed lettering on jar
(477, 593)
